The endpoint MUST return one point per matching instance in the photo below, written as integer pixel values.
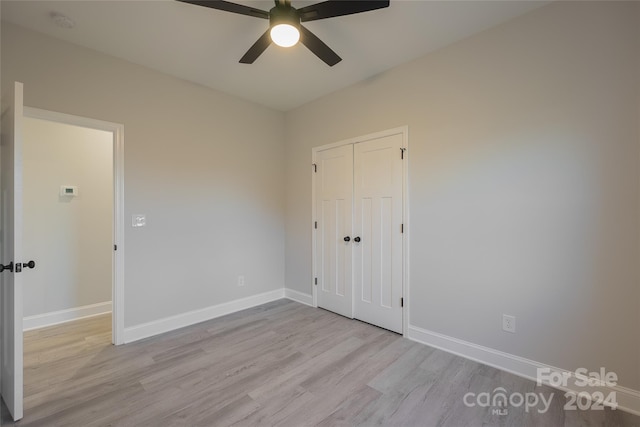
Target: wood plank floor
(279, 364)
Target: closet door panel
(334, 201)
(378, 220)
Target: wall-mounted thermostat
(68, 190)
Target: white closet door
(377, 224)
(334, 199)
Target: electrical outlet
(240, 280)
(508, 323)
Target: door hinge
(401, 228)
(401, 302)
(402, 150)
(315, 167)
(315, 282)
(115, 247)
(315, 225)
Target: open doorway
(72, 198)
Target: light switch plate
(138, 220)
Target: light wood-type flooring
(281, 364)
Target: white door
(334, 198)
(377, 232)
(12, 252)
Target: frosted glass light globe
(285, 35)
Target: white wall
(71, 238)
(207, 169)
(524, 171)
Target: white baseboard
(628, 399)
(145, 330)
(297, 296)
(56, 317)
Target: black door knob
(6, 267)
(357, 239)
(30, 264)
(346, 239)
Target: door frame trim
(404, 131)
(117, 129)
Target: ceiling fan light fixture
(285, 35)
(285, 25)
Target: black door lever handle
(18, 266)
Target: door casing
(404, 131)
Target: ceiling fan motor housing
(284, 15)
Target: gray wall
(523, 163)
(70, 237)
(207, 169)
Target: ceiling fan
(284, 23)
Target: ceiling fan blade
(331, 8)
(256, 50)
(229, 7)
(318, 47)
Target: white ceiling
(204, 45)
